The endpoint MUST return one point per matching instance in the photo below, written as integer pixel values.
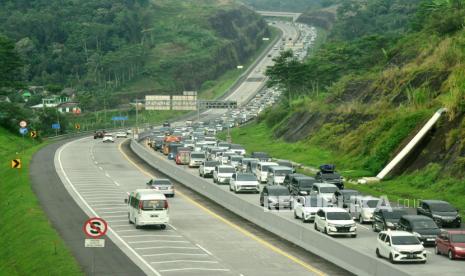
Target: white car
(121, 134)
(196, 159)
(363, 207)
(244, 182)
(108, 138)
(223, 173)
(306, 207)
(261, 170)
(324, 190)
(335, 222)
(400, 246)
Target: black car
(262, 156)
(442, 212)
(424, 228)
(328, 174)
(275, 196)
(166, 124)
(301, 185)
(99, 134)
(288, 178)
(387, 218)
(341, 198)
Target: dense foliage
(288, 5)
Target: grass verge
(30, 245)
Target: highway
(197, 242)
(364, 243)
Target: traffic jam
(402, 233)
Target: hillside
(384, 70)
(103, 46)
(30, 245)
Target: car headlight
(459, 248)
(271, 200)
(331, 225)
(437, 217)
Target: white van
(261, 171)
(147, 207)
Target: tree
(10, 65)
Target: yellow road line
(232, 224)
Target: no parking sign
(95, 228)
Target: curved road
(197, 241)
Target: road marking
(100, 168)
(205, 250)
(116, 183)
(95, 162)
(114, 212)
(194, 268)
(166, 247)
(185, 261)
(152, 235)
(170, 254)
(118, 216)
(363, 226)
(118, 220)
(107, 175)
(95, 214)
(122, 225)
(159, 241)
(111, 208)
(170, 225)
(107, 204)
(233, 225)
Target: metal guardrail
(328, 248)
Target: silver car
(162, 185)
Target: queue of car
(320, 199)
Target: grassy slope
(29, 243)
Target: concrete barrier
(328, 248)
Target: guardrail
(328, 248)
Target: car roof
(145, 194)
(334, 209)
(303, 177)
(324, 185)
(225, 166)
(397, 233)
(416, 217)
(432, 201)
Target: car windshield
(161, 182)
(313, 202)
(404, 240)
(246, 177)
(281, 172)
(442, 207)
(393, 214)
(373, 203)
(148, 205)
(210, 164)
(457, 238)
(278, 192)
(338, 216)
(236, 158)
(424, 224)
(198, 155)
(328, 190)
(306, 183)
(226, 170)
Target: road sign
(23, 124)
(95, 227)
(77, 126)
(56, 126)
(119, 118)
(94, 243)
(23, 131)
(33, 134)
(16, 163)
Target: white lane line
(103, 200)
(166, 247)
(129, 230)
(185, 261)
(113, 212)
(121, 225)
(170, 254)
(170, 225)
(110, 220)
(107, 175)
(100, 168)
(95, 162)
(152, 235)
(363, 226)
(148, 266)
(118, 216)
(194, 268)
(108, 204)
(116, 183)
(112, 208)
(158, 241)
(205, 250)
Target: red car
(451, 243)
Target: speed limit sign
(95, 228)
